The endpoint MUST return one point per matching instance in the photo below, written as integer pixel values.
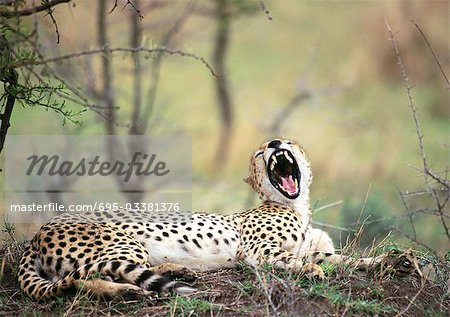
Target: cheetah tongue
(289, 185)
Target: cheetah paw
(313, 271)
(175, 271)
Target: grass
(339, 297)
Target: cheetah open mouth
(284, 173)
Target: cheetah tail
(38, 287)
(31, 280)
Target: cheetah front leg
(321, 249)
(175, 271)
(261, 251)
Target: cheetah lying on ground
(128, 251)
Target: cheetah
(118, 252)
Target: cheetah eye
(289, 142)
(259, 153)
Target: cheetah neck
(299, 205)
(302, 207)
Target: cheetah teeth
(288, 157)
(272, 166)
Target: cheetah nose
(275, 144)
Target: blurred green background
(355, 122)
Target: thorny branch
(266, 11)
(50, 13)
(426, 171)
(409, 213)
(107, 50)
(129, 2)
(412, 106)
(45, 6)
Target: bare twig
(410, 214)
(107, 50)
(114, 7)
(50, 13)
(443, 181)
(266, 11)
(45, 6)
(135, 9)
(447, 82)
(412, 106)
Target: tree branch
(50, 13)
(134, 7)
(29, 11)
(106, 50)
(412, 106)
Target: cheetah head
(280, 172)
